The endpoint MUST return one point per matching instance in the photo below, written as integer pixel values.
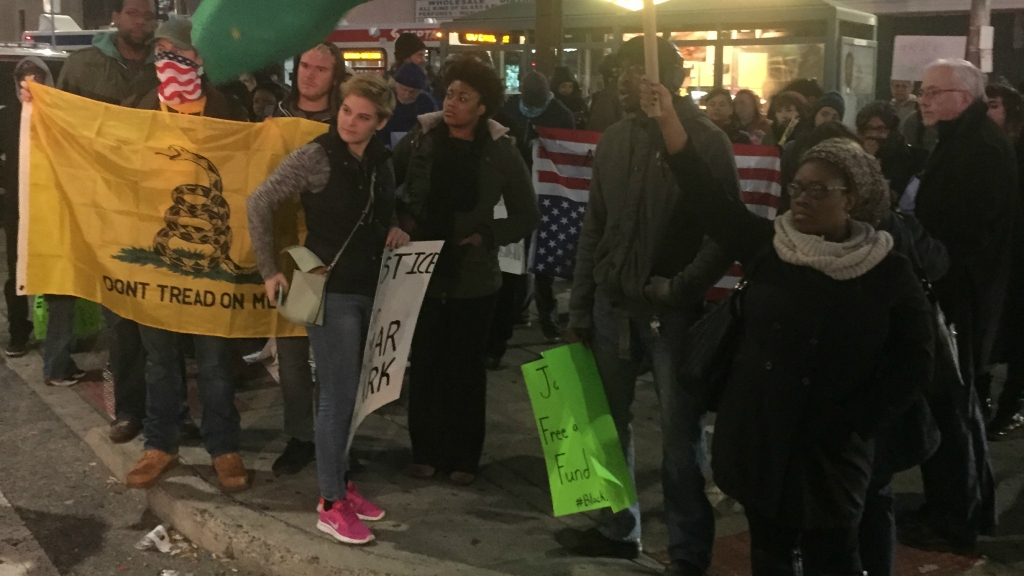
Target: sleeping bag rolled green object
(239, 36)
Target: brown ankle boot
(149, 468)
(231, 472)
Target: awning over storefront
(675, 14)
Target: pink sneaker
(343, 524)
(363, 508)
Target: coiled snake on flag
(213, 210)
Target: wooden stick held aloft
(650, 22)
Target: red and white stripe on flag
(562, 163)
(562, 168)
(760, 171)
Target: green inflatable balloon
(238, 36)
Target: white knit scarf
(846, 260)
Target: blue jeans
(60, 338)
(165, 394)
(338, 352)
(688, 513)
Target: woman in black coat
(835, 338)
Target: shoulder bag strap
(366, 210)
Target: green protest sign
(586, 468)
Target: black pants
(448, 383)
(831, 552)
(1012, 398)
(544, 296)
(127, 367)
(507, 309)
(959, 487)
(20, 326)
(878, 528)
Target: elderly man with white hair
(968, 199)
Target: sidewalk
(502, 524)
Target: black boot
(592, 543)
(296, 456)
(1006, 420)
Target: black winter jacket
(900, 161)
(820, 364)
(969, 200)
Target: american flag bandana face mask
(179, 79)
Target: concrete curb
(222, 525)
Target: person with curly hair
(788, 113)
(1006, 108)
(878, 124)
(456, 165)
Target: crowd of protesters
(862, 341)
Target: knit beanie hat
(833, 100)
(863, 174)
(406, 45)
(670, 62)
(411, 76)
(535, 89)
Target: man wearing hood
(30, 69)
(315, 92)
(120, 62)
(567, 89)
(634, 239)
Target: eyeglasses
(813, 191)
(933, 92)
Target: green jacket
(503, 174)
(101, 73)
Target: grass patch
(147, 257)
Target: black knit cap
(406, 45)
(670, 63)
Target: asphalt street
(62, 513)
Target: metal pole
(53, 26)
(981, 17)
(548, 35)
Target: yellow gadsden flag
(144, 212)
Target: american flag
(562, 161)
(760, 169)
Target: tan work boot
(149, 468)
(231, 472)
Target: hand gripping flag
(145, 212)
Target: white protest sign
(912, 53)
(404, 276)
(511, 258)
